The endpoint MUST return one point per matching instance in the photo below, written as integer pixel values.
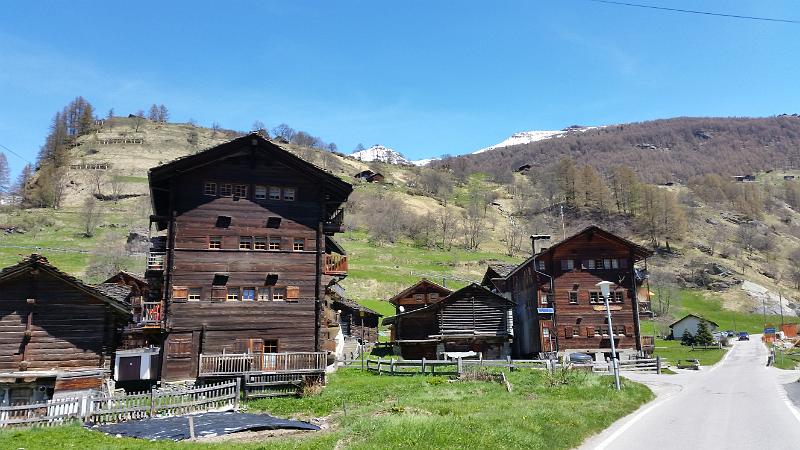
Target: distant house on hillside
(471, 319)
(57, 334)
(788, 177)
(369, 176)
(523, 168)
(689, 322)
(741, 178)
(421, 294)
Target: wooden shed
(420, 294)
(57, 334)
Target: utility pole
(780, 303)
(605, 290)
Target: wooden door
(129, 368)
(547, 334)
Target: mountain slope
(381, 154)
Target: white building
(690, 322)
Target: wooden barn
(419, 295)
(560, 308)
(57, 334)
(243, 265)
(471, 319)
(356, 321)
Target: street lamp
(605, 289)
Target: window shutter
(180, 293)
(589, 331)
(218, 294)
(568, 332)
(292, 292)
(257, 345)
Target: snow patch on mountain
(526, 137)
(381, 154)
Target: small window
(245, 243)
(299, 245)
(419, 297)
(597, 331)
(261, 193)
(619, 296)
(598, 264)
(233, 294)
(433, 296)
(288, 194)
(248, 294)
(223, 222)
(240, 190)
(567, 264)
(278, 294)
(595, 297)
(274, 243)
(576, 331)
(195, 293)
(210, 189)
(220, 279)
(589, 264)
(260, 243)
(271, 279)
(274, 222)
(263, 294)
(573, 297)
(270, 346)
(179, 293)
(274, 193)
(540, 265)
(615, 264)
(215, 242)
(226, 190)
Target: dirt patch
(324, 423)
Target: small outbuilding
(421, 294)
(690, 322)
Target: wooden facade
(245, 262)
(470, 319)
(56, 333)
(559, 306)
(356, 321)
(419, 295)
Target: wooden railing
(335, 223)
(155, 260)
(152, 313)
(335, 264)
(242, 363)
(449, 366)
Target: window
(576, 331)
(225, 190)
(233, 294)
(288, 194)
(270, 346)
(248, 294)
(433, 296)
(589, 264)
(419, 297)
(540, 265)
(546, 298)
(274, 243)
(595, 297)
(567, 264)
(573, 297)
(597, 331)
(274, 193)
(618, 296)
(210, 189)
(240, 190)
(274, 222)
(299, 245)
(245, 243)
(263, 294)
(260, 243)
(278, 294)
(215, 242)
(195, 293)
(223, 222)
(620, 330)
(598, 264)
(261, 193)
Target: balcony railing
(335, 224)
(335, 264)
(155, 260)
(152, 313)
(242, 363)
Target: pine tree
(687, 338)
(703, 337)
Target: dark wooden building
(356, 321)
(243, 264)
(471, 319)
(419, 295)
(57, 334)
(558, 305)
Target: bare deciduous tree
(91, 214)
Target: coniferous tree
(704, 336)
(687, 338)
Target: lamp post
(605, 289)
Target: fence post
(423, 365)
(152, 402)
(238, 393)
(380, 361)
(391, 365)
(510, 367)
(658, 365)
(460, 366)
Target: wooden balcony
(335, 264)
(152, 314)
(335, 224)
(155, 261)
(213, 365)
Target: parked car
(580, 358)
(744, 336)
(731, 333)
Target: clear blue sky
(423, 77)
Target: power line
(16, 154)
(691, 11)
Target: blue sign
(769, 330)
(545, 310)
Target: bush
(687, 338)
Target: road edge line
(634, 418)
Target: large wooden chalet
(246, 260)
(471, 319)
(560, 308)
(57, 334)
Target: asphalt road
(737, 404)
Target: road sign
(545, 310)
(769, 330)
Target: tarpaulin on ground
(206, 424)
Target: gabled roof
(116, 291)
(39, 262)
(416, 285)
(695, 316)
(497, 270)
(441, 303)
(337, 188)
(126, 275)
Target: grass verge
(673, 351)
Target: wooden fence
(244, 363)
(634, 365)
(122, 407)
(448, 367)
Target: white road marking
(634, 419)
(727, 354)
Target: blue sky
(423, 77)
